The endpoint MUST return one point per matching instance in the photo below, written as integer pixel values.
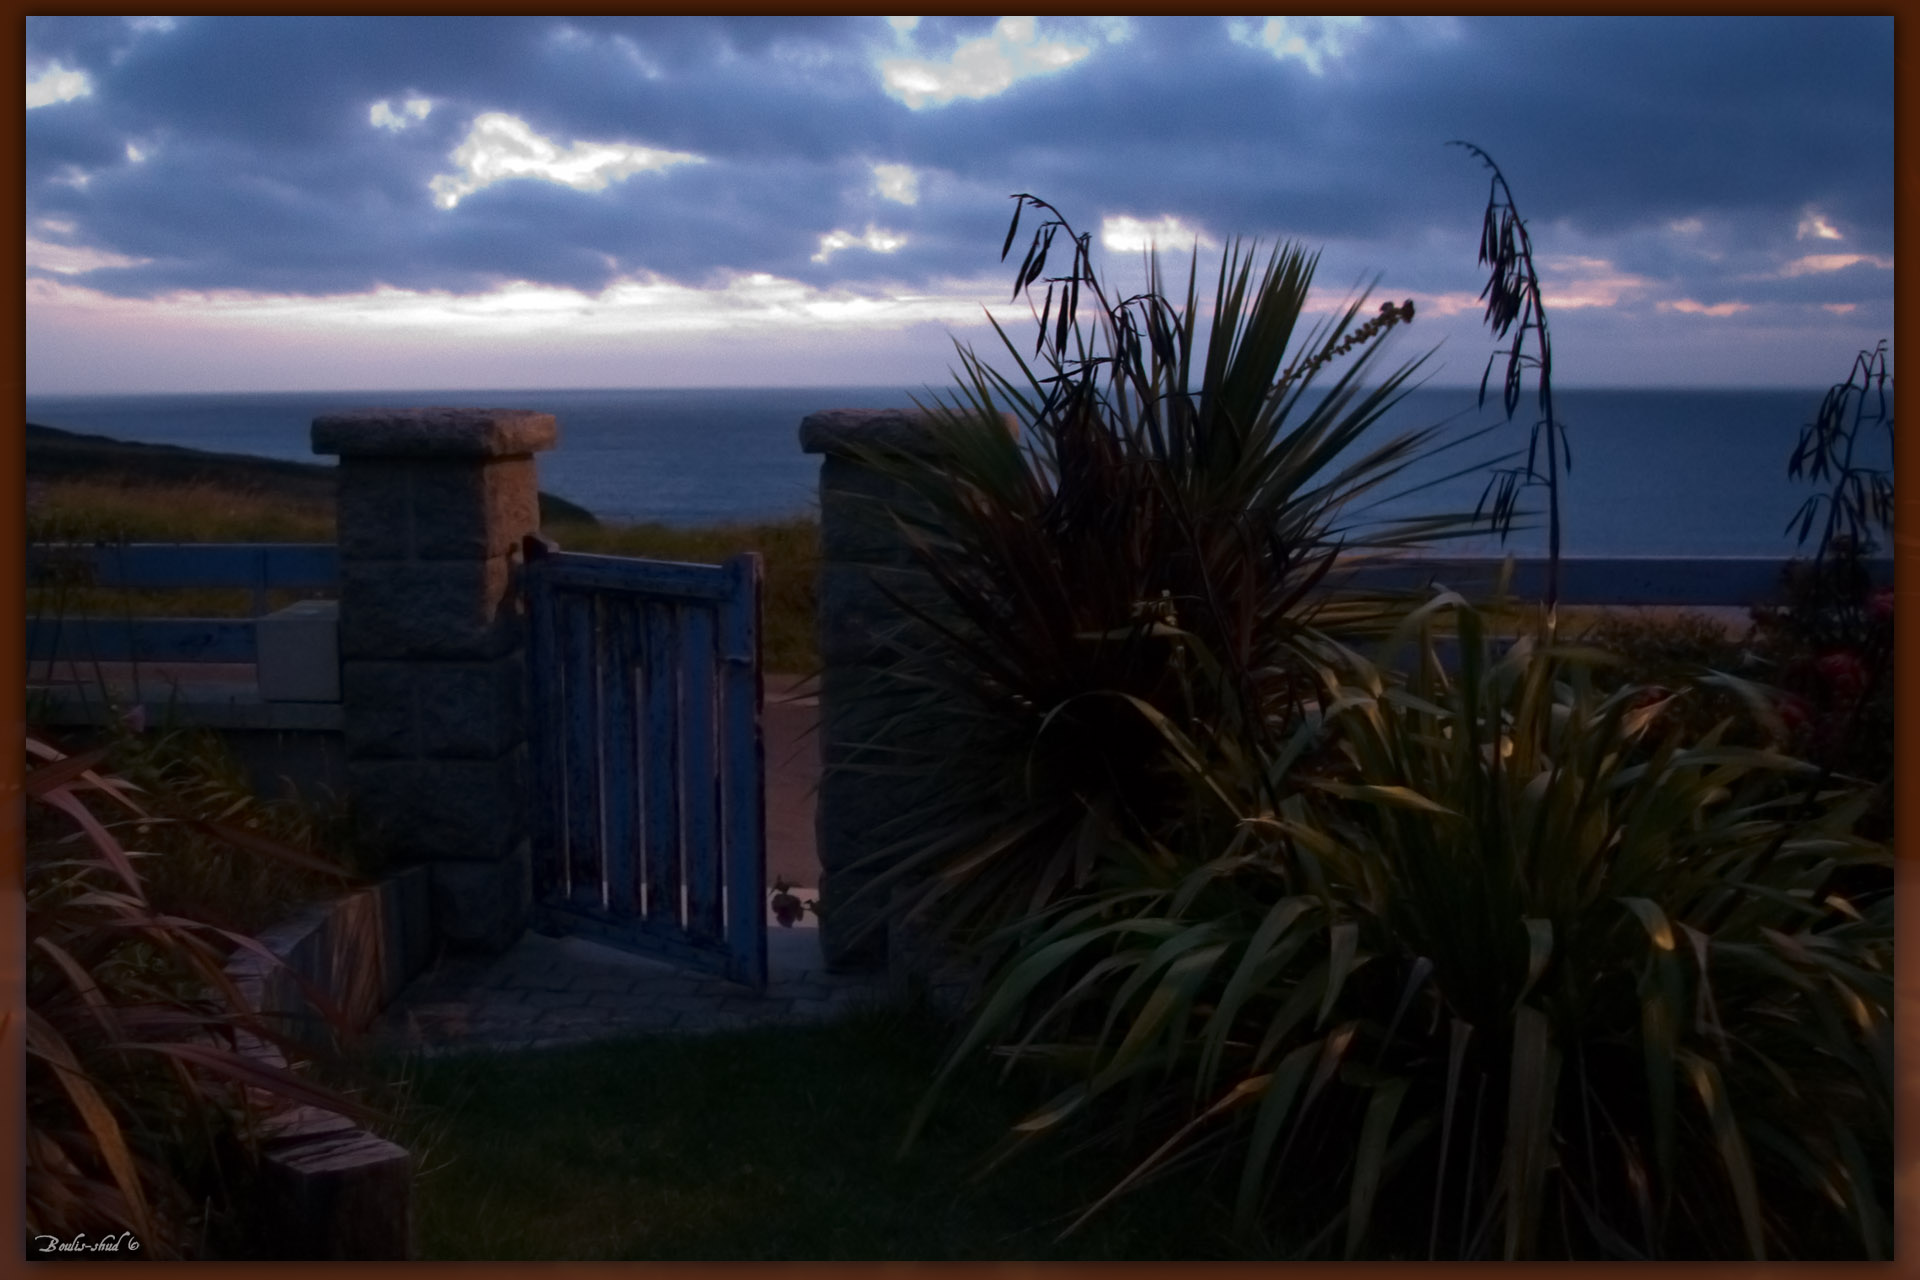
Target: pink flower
(1843, 671)
(1880, 607)
(1795, 712)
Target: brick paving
(551, 992)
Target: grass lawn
(777, 1143)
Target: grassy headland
(56, 458)
(93, 488)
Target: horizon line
(822, 386)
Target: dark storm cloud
(1605, 123)
(263, 172)
(1619, 123)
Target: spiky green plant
(1529, 973)
(1167, 480)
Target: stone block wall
(433, 506)
(862, 549)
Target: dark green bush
(1668, 654)
(1828, 643)
(1155, 543)
(1558, 957)
(1534, 973)
(1827, 648)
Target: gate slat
(617, 702)
(660, 764)
(743, 774)
(661, 579)
(582, 749)
(649, 763)
(544, 692)
(698, 791)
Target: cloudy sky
(359, 203)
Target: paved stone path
(548, 992)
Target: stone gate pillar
(861, 548)
(433, 504)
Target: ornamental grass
(144, 1088)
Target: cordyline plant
(1162, 533)
(144, 1089)
(1532, 975)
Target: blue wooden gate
(650, 819)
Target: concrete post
(860, 549)
(433, 504)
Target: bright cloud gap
(981, 68)
(499, 147)
(382, 115)
(875, 239)
(632, 306)
(1815, 227)
(896, 182)
(1818, 262)
(57, 84)
(1312, 42)
(1124, 234)
(1688, 306)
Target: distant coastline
(1686, 472)
(54, 455)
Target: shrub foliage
(1159, 534)
(1530, 972)
(1539, 958)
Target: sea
(1654, 472)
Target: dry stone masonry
(433, 505)
(863, 555)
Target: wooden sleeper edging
(333, 1190)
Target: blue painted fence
(256, 567)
